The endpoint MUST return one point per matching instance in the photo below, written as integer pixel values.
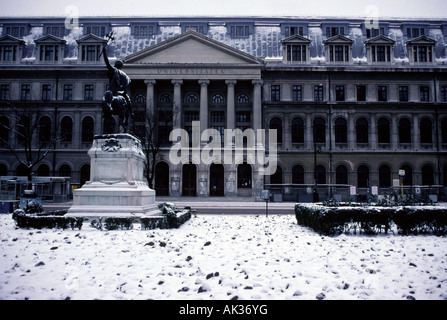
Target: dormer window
(10, 49)
(143, 30)
(54, 30)
(50, 49)
(196, 27)
(380, 50)
(338, 50)
(89, 49)
(240, 30)
(296, 49)
(293, 29)
(15, 30)
(421, 50)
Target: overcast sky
(162, 8)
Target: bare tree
(35, 138)
(154, 135)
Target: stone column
(308, 140)
(257, 106)
(352, 141)
(416, 137)
(231, 113)
(394, 132)
(373, 132)
(177, 103)
(150, 96)
(203, 104)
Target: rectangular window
(403, 93)
(196, 28)
(98, 30)
(296, 53)
(444, 94)
(90, 53)
(88, 92)
(290, 31)
(25, 93)
(68, 92)
(318, 93)
(8, 53)
(190, 116)
(297, 93)
(15, 31)
(46, 92)
(382, 93)
(275, 93)
(333, 31)
(217, 117)
(243, 116)
(339, 93)
(143, 30)
(57, 31)
(424, 93)
(49, 53)
(361, 93)
(339, 53)
(4, 92)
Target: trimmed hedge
(372, 220)
(39, 222)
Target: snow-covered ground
(219, 257)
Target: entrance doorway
(189, 180)
(216, 180)
(162, 179)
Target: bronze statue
(116, 100)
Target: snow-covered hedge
(48, 221)
(372, 220)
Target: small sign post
(265, 195)
(401, 178)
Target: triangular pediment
(422, 40)
(296, 39)
(191, 48)
(338, 39)
(49, 39)
(91, 38)
(8, 39)
(381, 39)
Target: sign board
(396, 183)
(417, 190)
(401, 173)
(352, 190)
(265, 195)
(374, 190)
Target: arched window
(87, 129)
(297, 130)
(192, 98)
(217, 99)
(3, 170)
(276, 123)
(85, 174)
(320, 175)
(427, 175)
(298, 175)
(408, 178)
(404, 130)
(242, 99)
(166, 98)
(43, 171)
(341, 131)
(22, 170)
(426, 131)
(162, 179)
(361, 128)
(341, 175)
(319, 130)
(44, 129)
(65, 170)
(384, 176)
(276, 178)
(383, 131)
(66, 129)
(362, 176)
(140, 98)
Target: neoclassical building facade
(352, 106)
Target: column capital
(150, 82)
(204, 82)
(230, 82)
(177, 82)
(257, 82)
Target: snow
(218, 257)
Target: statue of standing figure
(116, 100)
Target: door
(162, 179)
(189, 180)
(216, 180)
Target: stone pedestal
(117, 187)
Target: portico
(202, 80)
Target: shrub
(39, 222)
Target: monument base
(117, 187)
